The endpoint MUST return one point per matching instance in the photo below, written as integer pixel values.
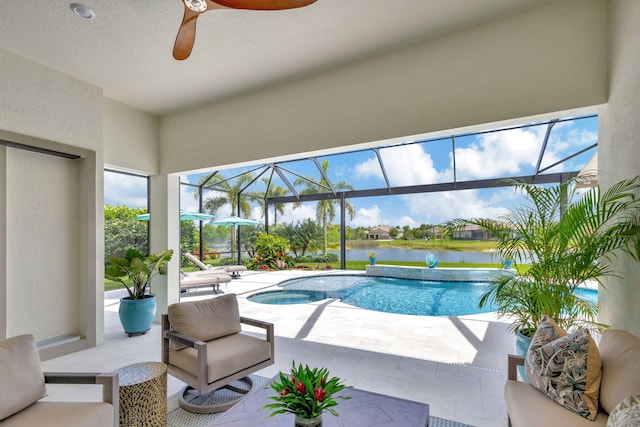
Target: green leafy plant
(135, 271)
(568, 237)
(271, 253)
(306, 392)
(372, 254)
(122, 231)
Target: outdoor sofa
(22, 388)
(619, 353)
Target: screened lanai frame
(546, 169)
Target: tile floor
(456, 364)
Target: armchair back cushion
(207, 319)
(22, 378)
(620, 354)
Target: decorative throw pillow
(626, 413)
(570, 373)
(22, 378)
(547, 331)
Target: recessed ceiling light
(82, 11)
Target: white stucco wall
(44, 108)
(41, 274)
(548, 59)
(619, 151)
(131, 138)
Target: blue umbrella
(235, 220)
(184, 216)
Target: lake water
(395, 254)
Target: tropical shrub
(318, 258)
(123, 231)
(271, 253)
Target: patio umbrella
(235, 220)
(184, 216)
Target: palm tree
(301, 237)
(272, 191)
(325, 209)
(230, 194)
(567, 239)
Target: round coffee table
(143, 394)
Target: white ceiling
(127, 48)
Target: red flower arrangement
(306, 392)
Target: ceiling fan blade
(186, 35)
(263, 4)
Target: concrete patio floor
(455, 364)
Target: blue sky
(511, 152)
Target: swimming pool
(390, 295)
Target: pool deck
(456, 364)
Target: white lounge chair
(233, 270)
(198, 279)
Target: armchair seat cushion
(529, 407)
(41, 414)
(46, 414)
(225, 356)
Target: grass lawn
(436, 245)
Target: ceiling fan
(193, 8)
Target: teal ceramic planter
(136, 316)
(522, 346)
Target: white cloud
(367, 217)
(406, 220)
(409, 165)
(187, 200)
(373, 216)
(435, 208)
(498, 154)
(370, 168)
(122, 189)
(306, 210)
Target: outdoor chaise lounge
(234, 270)
(198, 279)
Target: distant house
(381, 232)
(472, 232)
(437, 232)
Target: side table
(143, 394)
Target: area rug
(178, 417)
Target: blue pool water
(288, 296)
(389, 295)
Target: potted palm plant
(561, 238)
(135, 271)
(372, 257)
